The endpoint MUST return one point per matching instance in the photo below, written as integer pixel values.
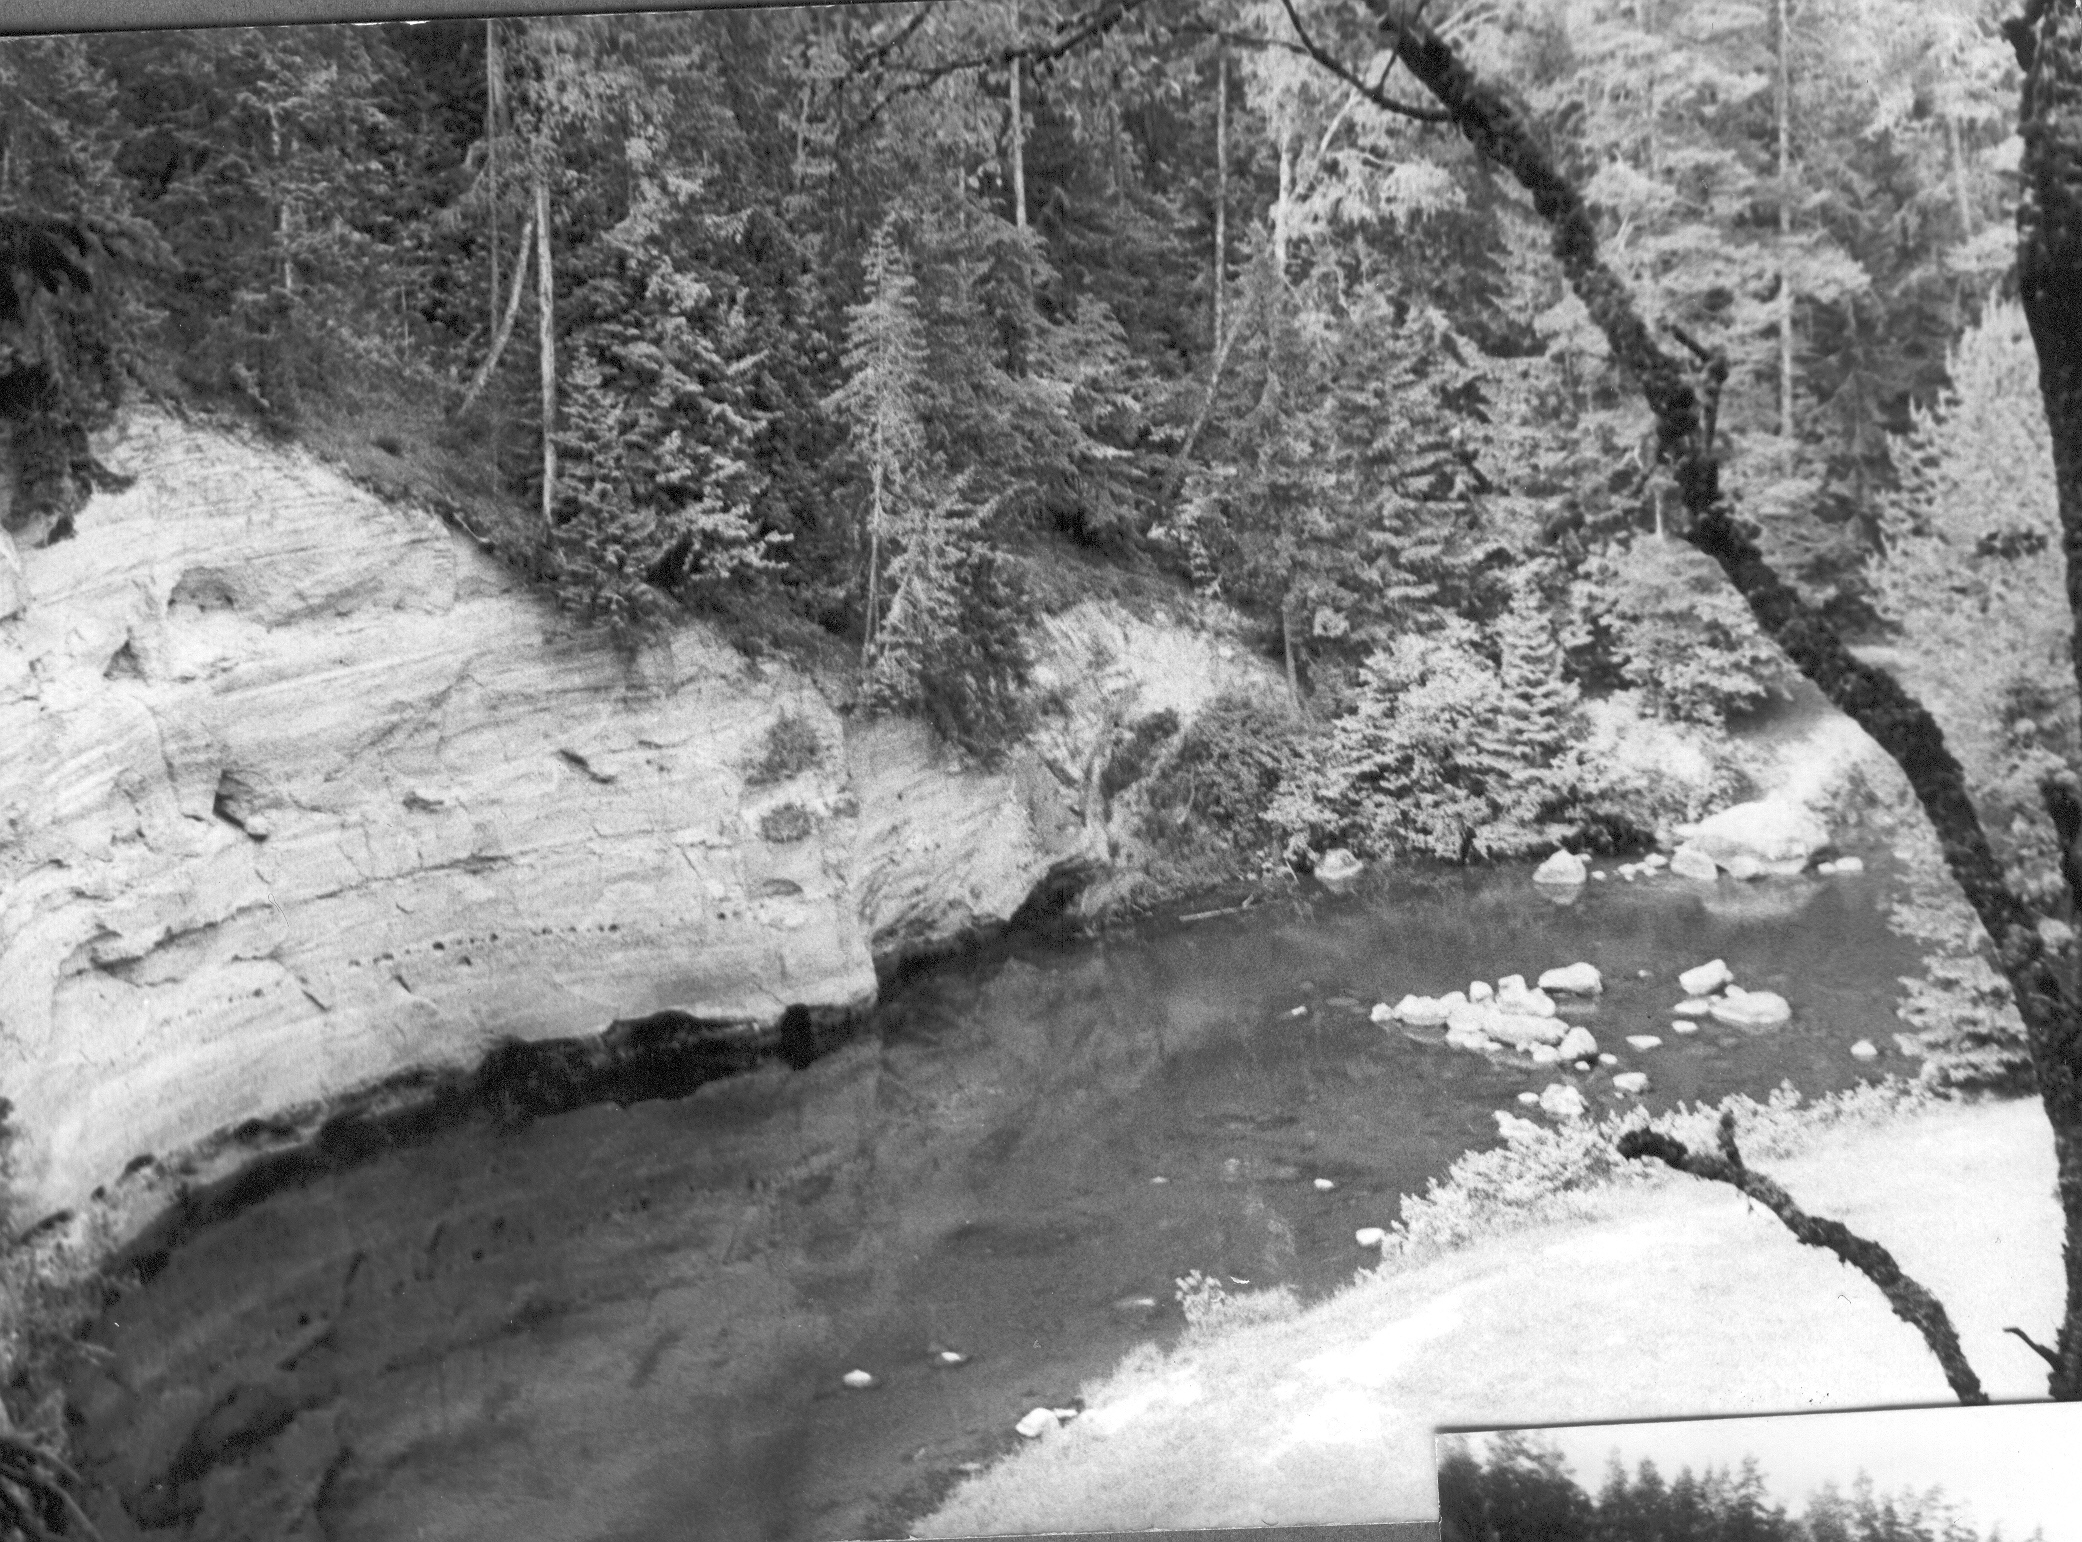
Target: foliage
(792, 747)
(1658, 616)
(1211, 1309)
(1971, 575)
(1448, 753)
(1520, 1489)
(1133, 756)
(1215, 792)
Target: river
(633, 1322)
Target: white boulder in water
(1865, 1049)
(1521, 1030)
(1697, 1006)
(1778, 835)
(1578, 1044)
(1036, 1422)
(1423, 1011)
(1339, 870)
(1744, 867)
(1512, 996)
(1517, 1131)
(1369, 1236)
(1705, 980)
(859, 1381)
(1643, 1042)
(1635, 1082)
(1563, 868)
(1684, 1025)
(1561, 1101)
(1383, 1014)
(1469, 1035)
(1850, 865)
(1528, 1097)
(1688, 861)
(1481, 990)
(1574, 980)
(1752, 1009)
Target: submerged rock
(1564, 868)
(1574, 980)
(1635, 1082)
(1705, 980)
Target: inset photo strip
(2003, 1473)
(966, 768)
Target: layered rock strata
(299, 790)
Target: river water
(634, 1322)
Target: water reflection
(636, 1322)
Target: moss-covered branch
(2049, 40)
(1911, 1302)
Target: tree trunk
(2049, 45)
(2048, 40)
(1221, 202)
(1280, 210)
(1785, 229)
(503, 333)
(274, 127)
(1019, 159)
(1287, 642)
(1959, 199)
(492, 77)
(546, 335)
(878, 479)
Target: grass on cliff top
(1544, 1283)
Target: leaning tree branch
(2049, 45)
(1911, 1302)
(2048, 41)
(1377, 93)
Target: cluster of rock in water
(1769, 838)
(1511, 1017)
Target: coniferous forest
(1522, 1491)
(884, 329)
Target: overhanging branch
(1872, 698)
(1911, 1302)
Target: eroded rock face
(299, 790)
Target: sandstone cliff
(299, 790)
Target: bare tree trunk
(1785, 228)
(2048, 39)
(504, 332)
(1019, 158)
(1281, 210)
(1959, 198)
(878, 481)
(546, 304)
(1644, 19)
(1221, 203)
(1287, 642)
(493, 75)
(282, 216)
